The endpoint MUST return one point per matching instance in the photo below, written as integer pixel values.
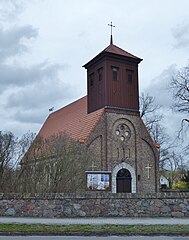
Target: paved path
(116, 221)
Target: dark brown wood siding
(122, 93)
(118, 89)
(96, 92)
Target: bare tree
(7, 150)
(56, 164)
(180, 87)
(177, 167)
(149, 112)
(147, 105)
(24, 143)
(152, 117)
(12, 150)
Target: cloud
(9, 9)
(27, 92)
(39, 95)
(160, 90)
(28, 99)
(159, 87)
(19, 76)
(181, 35)
(30, 116)
(31, 104)
(12, 40)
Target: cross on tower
(111, 26)
(111, 38)
(148, 167)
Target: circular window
(122, 138)
(123, 132)
(122, 127)
(117, 132)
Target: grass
(87, 228)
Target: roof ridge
(120, 50)
(68, 105)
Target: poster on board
(98, 181)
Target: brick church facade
(107, 121)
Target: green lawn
(94, 228)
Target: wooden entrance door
(123, 181)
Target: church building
(108, 122)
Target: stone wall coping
(94, 195)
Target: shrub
(180, 185)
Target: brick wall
(135, 153)
(95, 204)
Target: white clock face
(123, 132)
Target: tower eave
(114, 55)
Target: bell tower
(112, 80)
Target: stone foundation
(95, 204)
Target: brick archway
(114, 175)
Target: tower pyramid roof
(114, 50)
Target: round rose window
(123, 132)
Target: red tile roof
(72, 120)
(113, 49)
(116, 50)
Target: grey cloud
(27, 91)
(181, 35)
(31, 104)
(159, 87)
(31, 116)
(11, 40)
(17, 76)
(40, 95)
(9, 9)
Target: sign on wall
(98, 181)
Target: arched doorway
(123, 181)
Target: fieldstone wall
(95, 204)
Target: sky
(45, 43)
